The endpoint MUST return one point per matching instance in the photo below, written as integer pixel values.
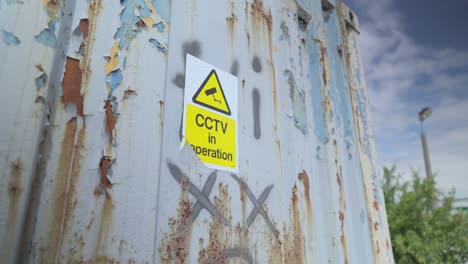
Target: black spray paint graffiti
(256, 112)
(234, 68)
(257, 67)
(203, 200)
(258, 209)
(192, 48)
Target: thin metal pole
(427, 161)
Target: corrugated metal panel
(92, 114)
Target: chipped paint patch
(159, 26)
(104, 166)
(84, 29)
(71, 85)
(9, 38)
(113, 80)
(157, 45)
(297, 96)
(41, 81)
(110, 120)
(53, 9)
(112, 59)
(134, 11)
(47, 36)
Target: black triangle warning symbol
(211, 95)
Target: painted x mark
(203, 200)
(258, 204)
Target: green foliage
(423, 224)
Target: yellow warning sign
(211, 95)
(212, 136)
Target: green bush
(424, 226)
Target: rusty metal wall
(91, 113)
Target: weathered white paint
(72, 190)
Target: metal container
(91, 114)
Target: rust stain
(84, 28)
(231, 22)
(324, 61)
(104, 166)
(14, 194)
(305, 181)
(310, 221)
(88, 226)
(341, 217)
(339, 180)
(105, 227)
(257, 10)
(141, 24)
(243, 198)
(376, 205)
(294, 244)
(340, 52)
(40, 68)
(71, 84)
(129, 93)
(219, 234)
(110, 120)
(376, 226)
(67, 175)
(275, 251)
(175, 245)
(387, 244)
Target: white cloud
(404, 76)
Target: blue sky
(415, 54)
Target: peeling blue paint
(41, 81)
(297, 96)
(159, 26)
(128, 21)
(47, 36)
(157, 45)
(124, 63)
(164, 8)
(315, 75)
(10, 39)
(113, 80)
(339, 86)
